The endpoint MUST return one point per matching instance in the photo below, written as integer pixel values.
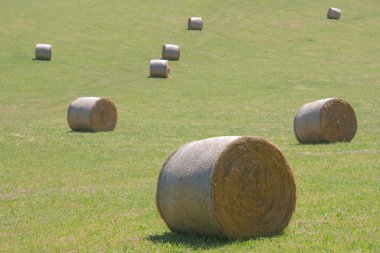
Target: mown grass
(250, 69)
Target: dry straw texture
(170, 52)
(239, 187)
(334, 13)
(92, 114)
(326, 120)
(159, 68)
(195, 23)
(43, 52)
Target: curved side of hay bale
(325, 120)
(184, 196)
(195, 23)
(170, 52)
(239, 187)
(159, 68)
(307, 127)
(92, 114)
(43, 52)
(334, 13)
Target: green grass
(250, 69)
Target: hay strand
(334, 13)
(170, 52)
(326, 120)
(43, 52)
(239, 187)
(195, 23)
(159, 68)
(92, 114)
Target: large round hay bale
(170, 52)
(159, 68)
(334, 13)
(43, 52)
(92, 114)
(239, 187)
(195, 23)
(326, 120)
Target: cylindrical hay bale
(326, 120)
(334, 13)
(239, 187)
(170, 52)
(92, 114)
(195, 23)
(43, 52)
(159, 68)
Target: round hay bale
(43, 52)
(159, 68)
(195, 23)
(239, 187)
(170, 52)
(326, 120)
(92, 114)
(334, 13)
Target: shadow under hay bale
(92, 114)
(195, 23)
(193, 241)
(334, 13)
(170, 52)
(159, 68)
(238, 187)
(326, 120)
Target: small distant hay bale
(92, 114)
(326, 120)
(170, 52)
(195, 23)
(43, 52)
(334, 13)
(159, 68)
(233, 186)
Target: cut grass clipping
(195, 23)
(92, 114)
(43, 52)
(159, 68)
(326, 120)
(334, 13)
(170, 52)
(233, 186)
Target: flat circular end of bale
(103, 116)
(338, 121)
(253, 189)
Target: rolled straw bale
(170, 52)
(92, 114)
(334, 13)
(326, 120)
(159, 68)
(195, 23)
(239, 187)
(43, 52)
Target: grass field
(247, 73)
